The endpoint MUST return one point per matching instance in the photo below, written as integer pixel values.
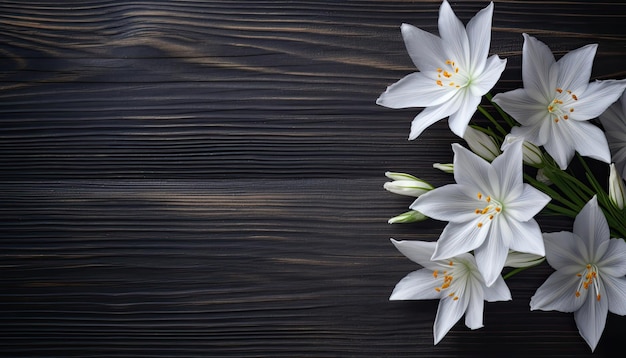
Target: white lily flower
(481, 144)
(454, 71)
(406, 184)
(617, 194)
(455, 282)
(557, 101)
(614, 122)
(490, 210)
(589, 278)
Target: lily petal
(491, 255)
(491, 73)
(414, 90)
(459, 120)
(430, 115)
(537, 60)
(525, 236)
(528, 204)
(471, 170)
(525, 109)
(479, 36)
(575, 68)
(557, 293)
(448, 314)
(424, 48)
(612, 262)
(562, 252)
(598, 96)
(476, 305)
(591, 225)
(508, 167)
(454, 36)
(417, 285)
(498, 291)
(446, 203)
(616, 288)
(417, 251)
(456, 239)
(591, 319)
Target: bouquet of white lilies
(558, 115)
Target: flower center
(448, 76)
(588, 278)
(446, 278)
(562, 105)
(491, 209)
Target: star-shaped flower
(557, 101)
(589, 278)
(614, 122)
(454, 71)
(455, 282)
(490, 210)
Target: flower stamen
(588, 278)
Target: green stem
(502, 113)
(492, 120)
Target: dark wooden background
(204, 179)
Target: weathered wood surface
(204, 178)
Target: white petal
(491, 255)
(562, 252)
(414, 90)
(591, 225)
(473, 171)
(538, 133)
(598, 96)
(524, 236)
(459, 120)
(537, 61)
(485, 80)
(418, 285)
(590, 141)
(616, 294)
(429, 116)
(561, 145)
(456, 239)
(499, 291)
(613, 262)
(476, 305)
(479, 36)
(591, 319)
(525, 109)
(417, 251)
(558, 294)
(425, 49)
(508, 167)
(446, 203)
(448, 314)
(528, 204)
(454, 37)
(575, 68)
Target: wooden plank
(204, 178)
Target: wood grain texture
(204, 179)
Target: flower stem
(492, 120)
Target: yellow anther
(566, 117)
(498, 210)
(457, 297)
(451, 84)
(439, 83)
(447, 74)
(480, 196)
(439, 70)
(451, 263)
(437, 289)
(456, 70)
(574, 97)
(550, 108)
(556, 120)
(598, 297)
(577, 293)
(480, 225)
(435, 273)
(559, 90)
(490, 217)
(571, 110)
(488, 199)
